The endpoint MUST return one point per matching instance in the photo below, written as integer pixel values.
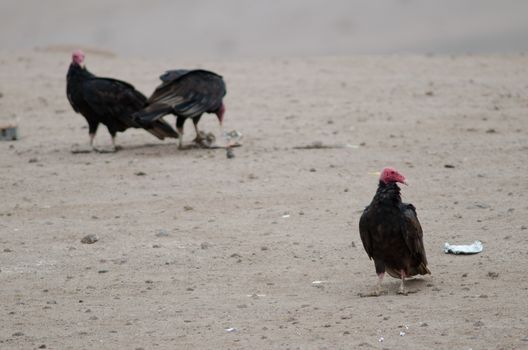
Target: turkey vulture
(391, 233)
(186, 94)
(108, 101)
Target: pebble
(493, 275)
(205, 245)
(229, 153)
(140, 173)
(162, 233)
(90, 239)
(188, 208)
(17, 334)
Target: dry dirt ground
(200, 243)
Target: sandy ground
(201, 243)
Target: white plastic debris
(230, 330)
(232, 137)
(402, 333)
(286, 216)
(381, 339)
(318, 282)
(474, 248)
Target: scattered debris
(76, 148)
(493, 275)
(381, 339)
(402, 333)
(474, 248)
(320, 145)
(90, 239)
(162, 233)
(8, 133)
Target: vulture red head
(389, 175)
(78, 57)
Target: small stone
(32, 160)
(205, 245)
(229, 153)
(43, 346)
(312, 170)
(491, 131)
(102, 271)
(493, 275)
(483, 296)
(187, 208)
(263, 248)
(89, 239)
(429, 93)
(149, 281)
(423, 324)
(162, 233)
(449, 166)
(140, 173)
(17, 334)
(7, 250)
(478, 324)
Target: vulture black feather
(391, 233)
(108, 101)
(185, 94)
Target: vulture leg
(179, 129)
(377, 291)
(378, 285)
(92, 136)
(92, 129)
(198, 138)
(402, 287)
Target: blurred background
(251, 28)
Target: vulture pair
(391, 233)
(119, 106)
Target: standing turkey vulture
(186, 94)
(391, 233)
(108, 101)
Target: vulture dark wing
(190, 95)
(171, 75)
(364, 232)
(412, 232)
(112, 98)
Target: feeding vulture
(107, 101)
(391, 233)
(186, 94)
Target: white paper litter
(474, 248)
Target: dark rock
(89, 239)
